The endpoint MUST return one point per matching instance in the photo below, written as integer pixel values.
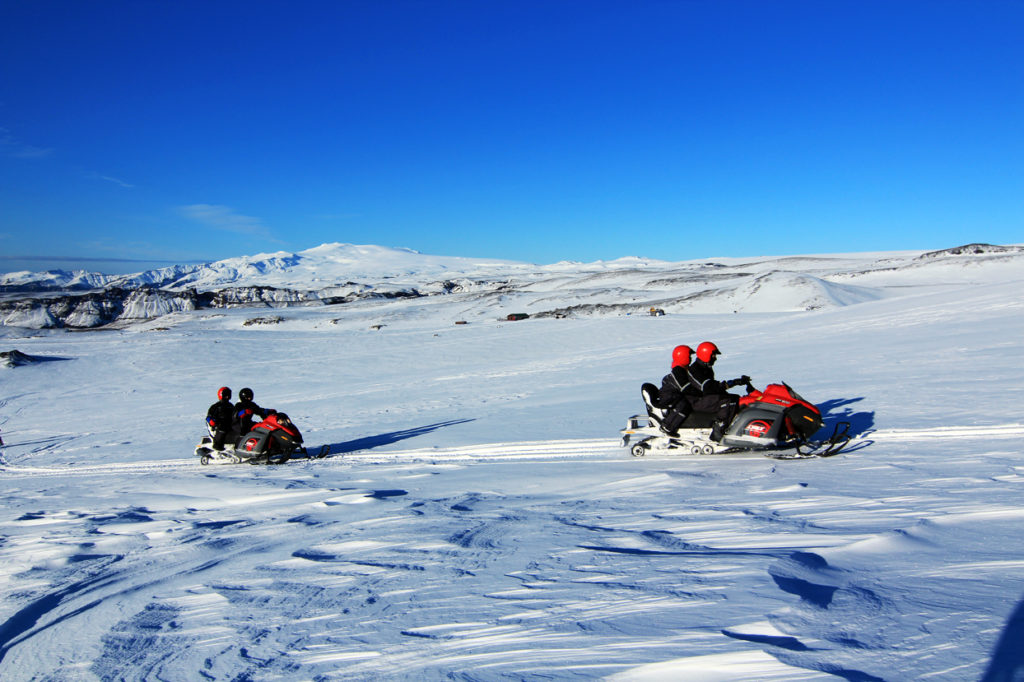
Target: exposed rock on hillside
(972, 250)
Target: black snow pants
(723, 407)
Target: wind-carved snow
(478, 519)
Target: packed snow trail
(583, 448)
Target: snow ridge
(335, 274)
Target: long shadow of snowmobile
(391, 437)
(777, 421)
(274, 440)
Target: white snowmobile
(776, 420)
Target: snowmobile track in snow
(585, 448)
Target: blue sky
(133, 134)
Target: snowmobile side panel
(757, 426)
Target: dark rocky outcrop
(971, 250)
(115, 304)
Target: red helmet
(707, 351)
(223, 393)
(681, 356)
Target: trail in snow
(582, 448)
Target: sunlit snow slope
(477, 518)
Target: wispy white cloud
(225, 218)
(16, 149)
(110, 178)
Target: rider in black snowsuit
(220, 419)
(676, 392)
(711, 395)
(245, 410)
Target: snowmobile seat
(698, 420)
(695, 420)
(650, 395)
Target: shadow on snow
(392, 437)
(1007, 663)
(833, 411)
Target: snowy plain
(477, 518)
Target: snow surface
(478, 519)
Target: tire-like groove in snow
(601, 448)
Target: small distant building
(461, 322)
(657, 312)
(515, 317)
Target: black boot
(717, 430)
(671, 423)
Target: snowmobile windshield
(793, 393)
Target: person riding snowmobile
(676, 391)
(710, 395)
(244, 411)
(220, 418)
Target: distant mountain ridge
(304, 269)
(338, 274)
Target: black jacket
(674, 387)
(244, 413)
(220, 415)
(702, 379)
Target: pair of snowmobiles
(274, 440)
(776, 420)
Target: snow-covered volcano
(477, 518)
(319, 267)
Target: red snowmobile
(274, 440)
(777, 420)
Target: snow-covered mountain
(478, 519)
(313, 269)
(335, 274)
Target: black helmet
(245, 394)
(223, 393)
